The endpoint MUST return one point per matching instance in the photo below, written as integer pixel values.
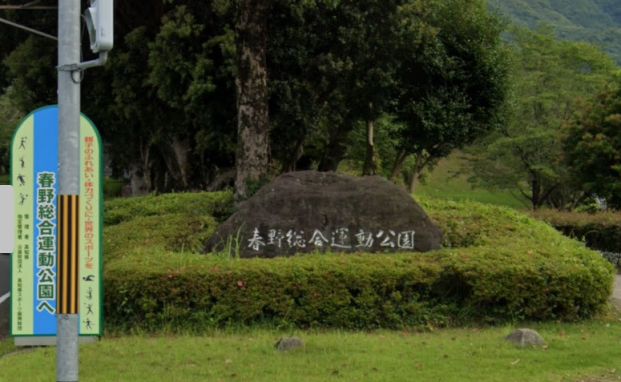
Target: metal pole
(69, 170)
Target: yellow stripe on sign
(74, 254)
(68, 254)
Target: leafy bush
(113, 188)
(601, 231)
(467, 224)
(356, 291)
(170, 232)
(216, 204)
(501, 266)
(613, 257)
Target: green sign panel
(34, 176)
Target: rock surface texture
(311, 211)
(525, 338)
(289, 344)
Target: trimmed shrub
(601, 231)
(356, 291)
(216, 204)
(166, 232)
(468, 224)
(500, 266)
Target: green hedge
(216, 204)
(601, 231)
(500, 266)
(356, 292)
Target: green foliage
(165, 103)
(159, 233)
(501, 265)
(434, 71)
(472, 224)
(9, 117)
(448, 181)
(548, 80)
(357, 291)
(112, 188)
(33, 75)
(592, 147)
(6, 347)
(600, 230)
(595, 21)
(387, 132)
(216, 204)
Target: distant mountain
(594, 21)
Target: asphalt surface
(5, 287)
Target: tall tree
(548, 78)
(592, 147)
(252, 159)
(452, 80)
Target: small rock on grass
(286, 344)
(525, 338)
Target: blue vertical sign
(34, 261)
(45, 220)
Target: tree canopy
(428, 75)
(549, 78)
(593, 147)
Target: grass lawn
(588, 351)
(443, 183)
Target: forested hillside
(594, 21)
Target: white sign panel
(7, 219)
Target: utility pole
(99, 19)
(67, 347)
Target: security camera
(99, 17)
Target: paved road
(4, 289)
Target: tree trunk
(370, 167)
(398, 165)
(335, 151)
(252, 96)
(413, 181)
(294, 156)
(421, 162)
(535, 193)
(137, 182)
(181, 149)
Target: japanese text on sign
(46, 242)
(340, 239)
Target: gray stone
(289, 343)
(525, 338)
(312, 211)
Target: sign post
(55, 245)
(67, 347)
(101, 35)
(36, 261)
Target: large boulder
(311, 211)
